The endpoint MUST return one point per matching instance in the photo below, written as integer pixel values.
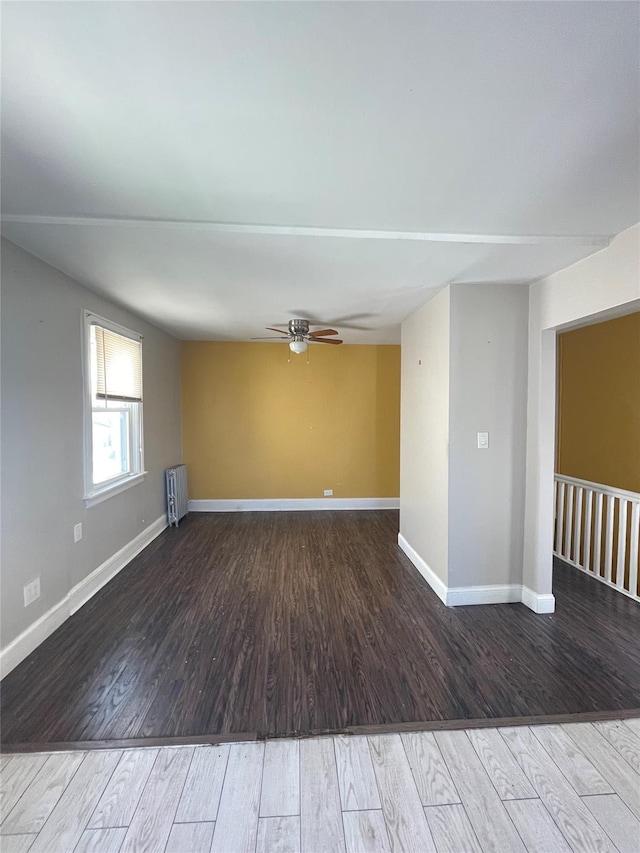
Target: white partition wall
(602, 286)
(464, 356)
(482, 358)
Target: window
(113, 408)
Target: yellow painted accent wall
(255, 425)
(599, 403)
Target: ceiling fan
(300, 337)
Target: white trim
(96, 493)
(426, 571)
(600, 487)
(121, 486)
(596, 520)
(538, 603)
(90, 317)
(87, 588)
(596, 240)
(461, 596)
(279, 504)
(37, 633)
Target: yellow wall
(599, 403)
(258, 426)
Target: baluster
(622, 542)
(566, 548)
(555, 513)
(633, 550)
(560, 518)
(586, 542)
(597, 537)
(577, 526)
(608, 539)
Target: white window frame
(96, 493)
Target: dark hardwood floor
(281, 623)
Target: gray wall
(488, 393)
(464, 371)
(424, 432)
(42, 451)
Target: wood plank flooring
(355, 794)
(304, 622)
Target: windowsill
(111, 491)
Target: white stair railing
(597, 530)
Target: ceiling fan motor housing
(298, 327)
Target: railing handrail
(599, 487)
(597, 529)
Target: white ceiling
(517, 119)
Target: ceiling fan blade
(344, 322)
(279, 331)
(339, 320)
(354, 326)
(271, 338)
(323, 332)
(324, 341)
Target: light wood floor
(549, 789)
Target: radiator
(177, 500)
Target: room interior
(253, 421)
(402, 611)
(373, 526)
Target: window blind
(118, 364)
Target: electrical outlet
(328, 493)
(31, 592)
(77, 532)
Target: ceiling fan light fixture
(298, 345)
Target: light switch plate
(483, 441)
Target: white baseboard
(279, 504)
(87, 588)
(30, 639)
(538, 603)
(461, 596)
(426, 571)
(37, 633)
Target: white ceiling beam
(597, 241)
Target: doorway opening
(597, 458)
